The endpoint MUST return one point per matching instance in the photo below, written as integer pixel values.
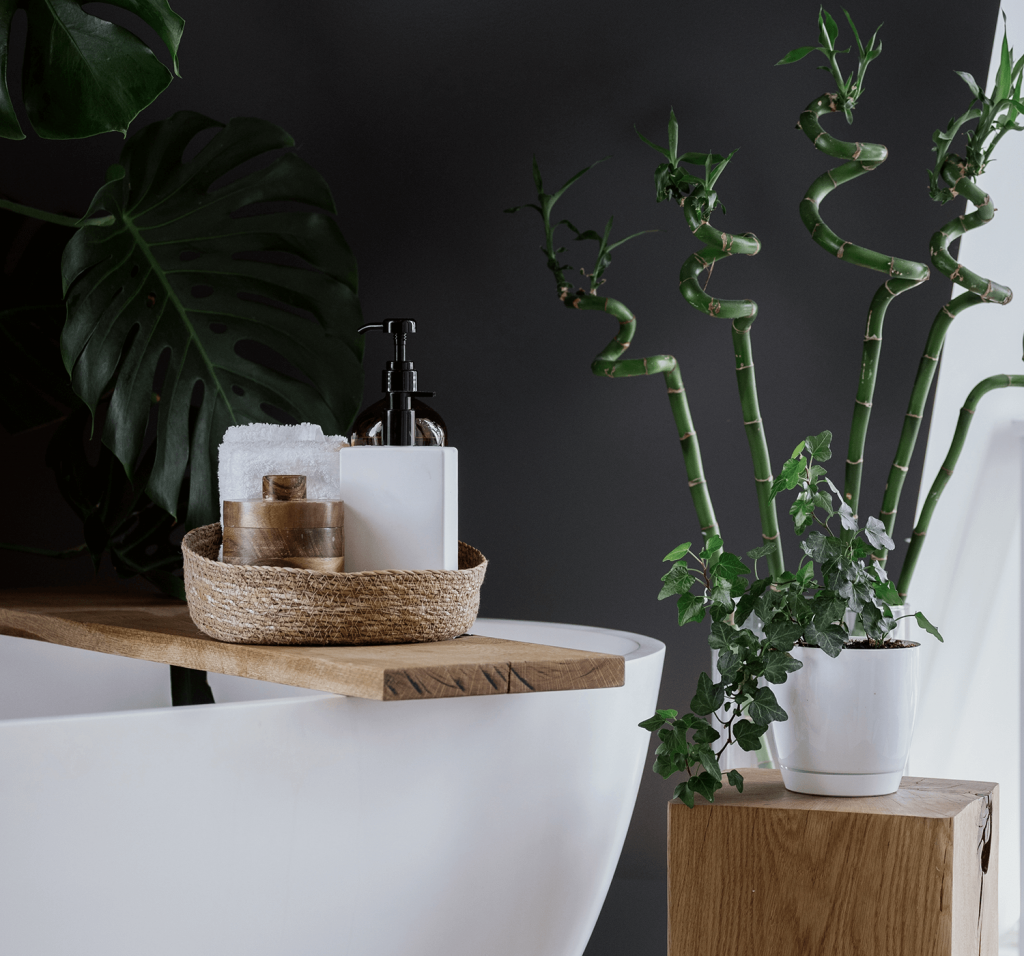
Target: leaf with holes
(188, 273)
(84, 75)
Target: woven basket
(248, 604)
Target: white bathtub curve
(288, 821)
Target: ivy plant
(837, 594)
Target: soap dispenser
(399, 384)
(401, 494)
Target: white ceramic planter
(851, 720)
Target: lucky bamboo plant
(839, 590)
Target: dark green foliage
(84, 75)
(837, 593)
(178, 272)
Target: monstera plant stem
(903, 274)
(53, 217)
(742, 312)
(979, 290)
(946, 470)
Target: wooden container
(774, 873)
(285, 529)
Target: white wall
(969, 578)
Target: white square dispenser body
(401, 507)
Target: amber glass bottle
(368, 428)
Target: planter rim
(847, 647)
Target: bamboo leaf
(971, 83)
(177, 267)
(673, 136)
(654, 146)
(856, 35)
(572, 179)
(830, 31)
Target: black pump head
(399, 383)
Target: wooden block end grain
(774, 873)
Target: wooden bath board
(150, 627)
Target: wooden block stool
(773, 873)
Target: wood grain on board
(786, 874)
(150, 627)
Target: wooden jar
(284, 528)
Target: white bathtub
(282, 821)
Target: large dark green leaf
(84, 75)
(191, 273)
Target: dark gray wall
(424, 117)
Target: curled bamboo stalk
(902, 274)
(697, 208)
(979, 290)
(609, 362)
(946, 471)
(996, 114)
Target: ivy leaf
(748, 734)
(795, 55)
(814, 546)
(84, 75)
(770, 548)
(736, 779)
(746, 603)
(677, 581)
(886, 591)
(704, 733)
(783, 634)
(660, 716)
(729, 664)
(875, 533)
(722, 636)
(778, 665)
(691, 608)
(791, 476)
(677, 554)
(667, 763)
(174, 275)
(706, 784)
(709, 696)
(830, 638)
(763, 708)
(684, 792)
(820, 446)
(706, 758)
(928, 626)
(731, 567)
(714, 543)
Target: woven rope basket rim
(259, 604)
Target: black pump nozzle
(399, 383)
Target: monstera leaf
(84, 75)
(174, 300)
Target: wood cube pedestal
(774, 873)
